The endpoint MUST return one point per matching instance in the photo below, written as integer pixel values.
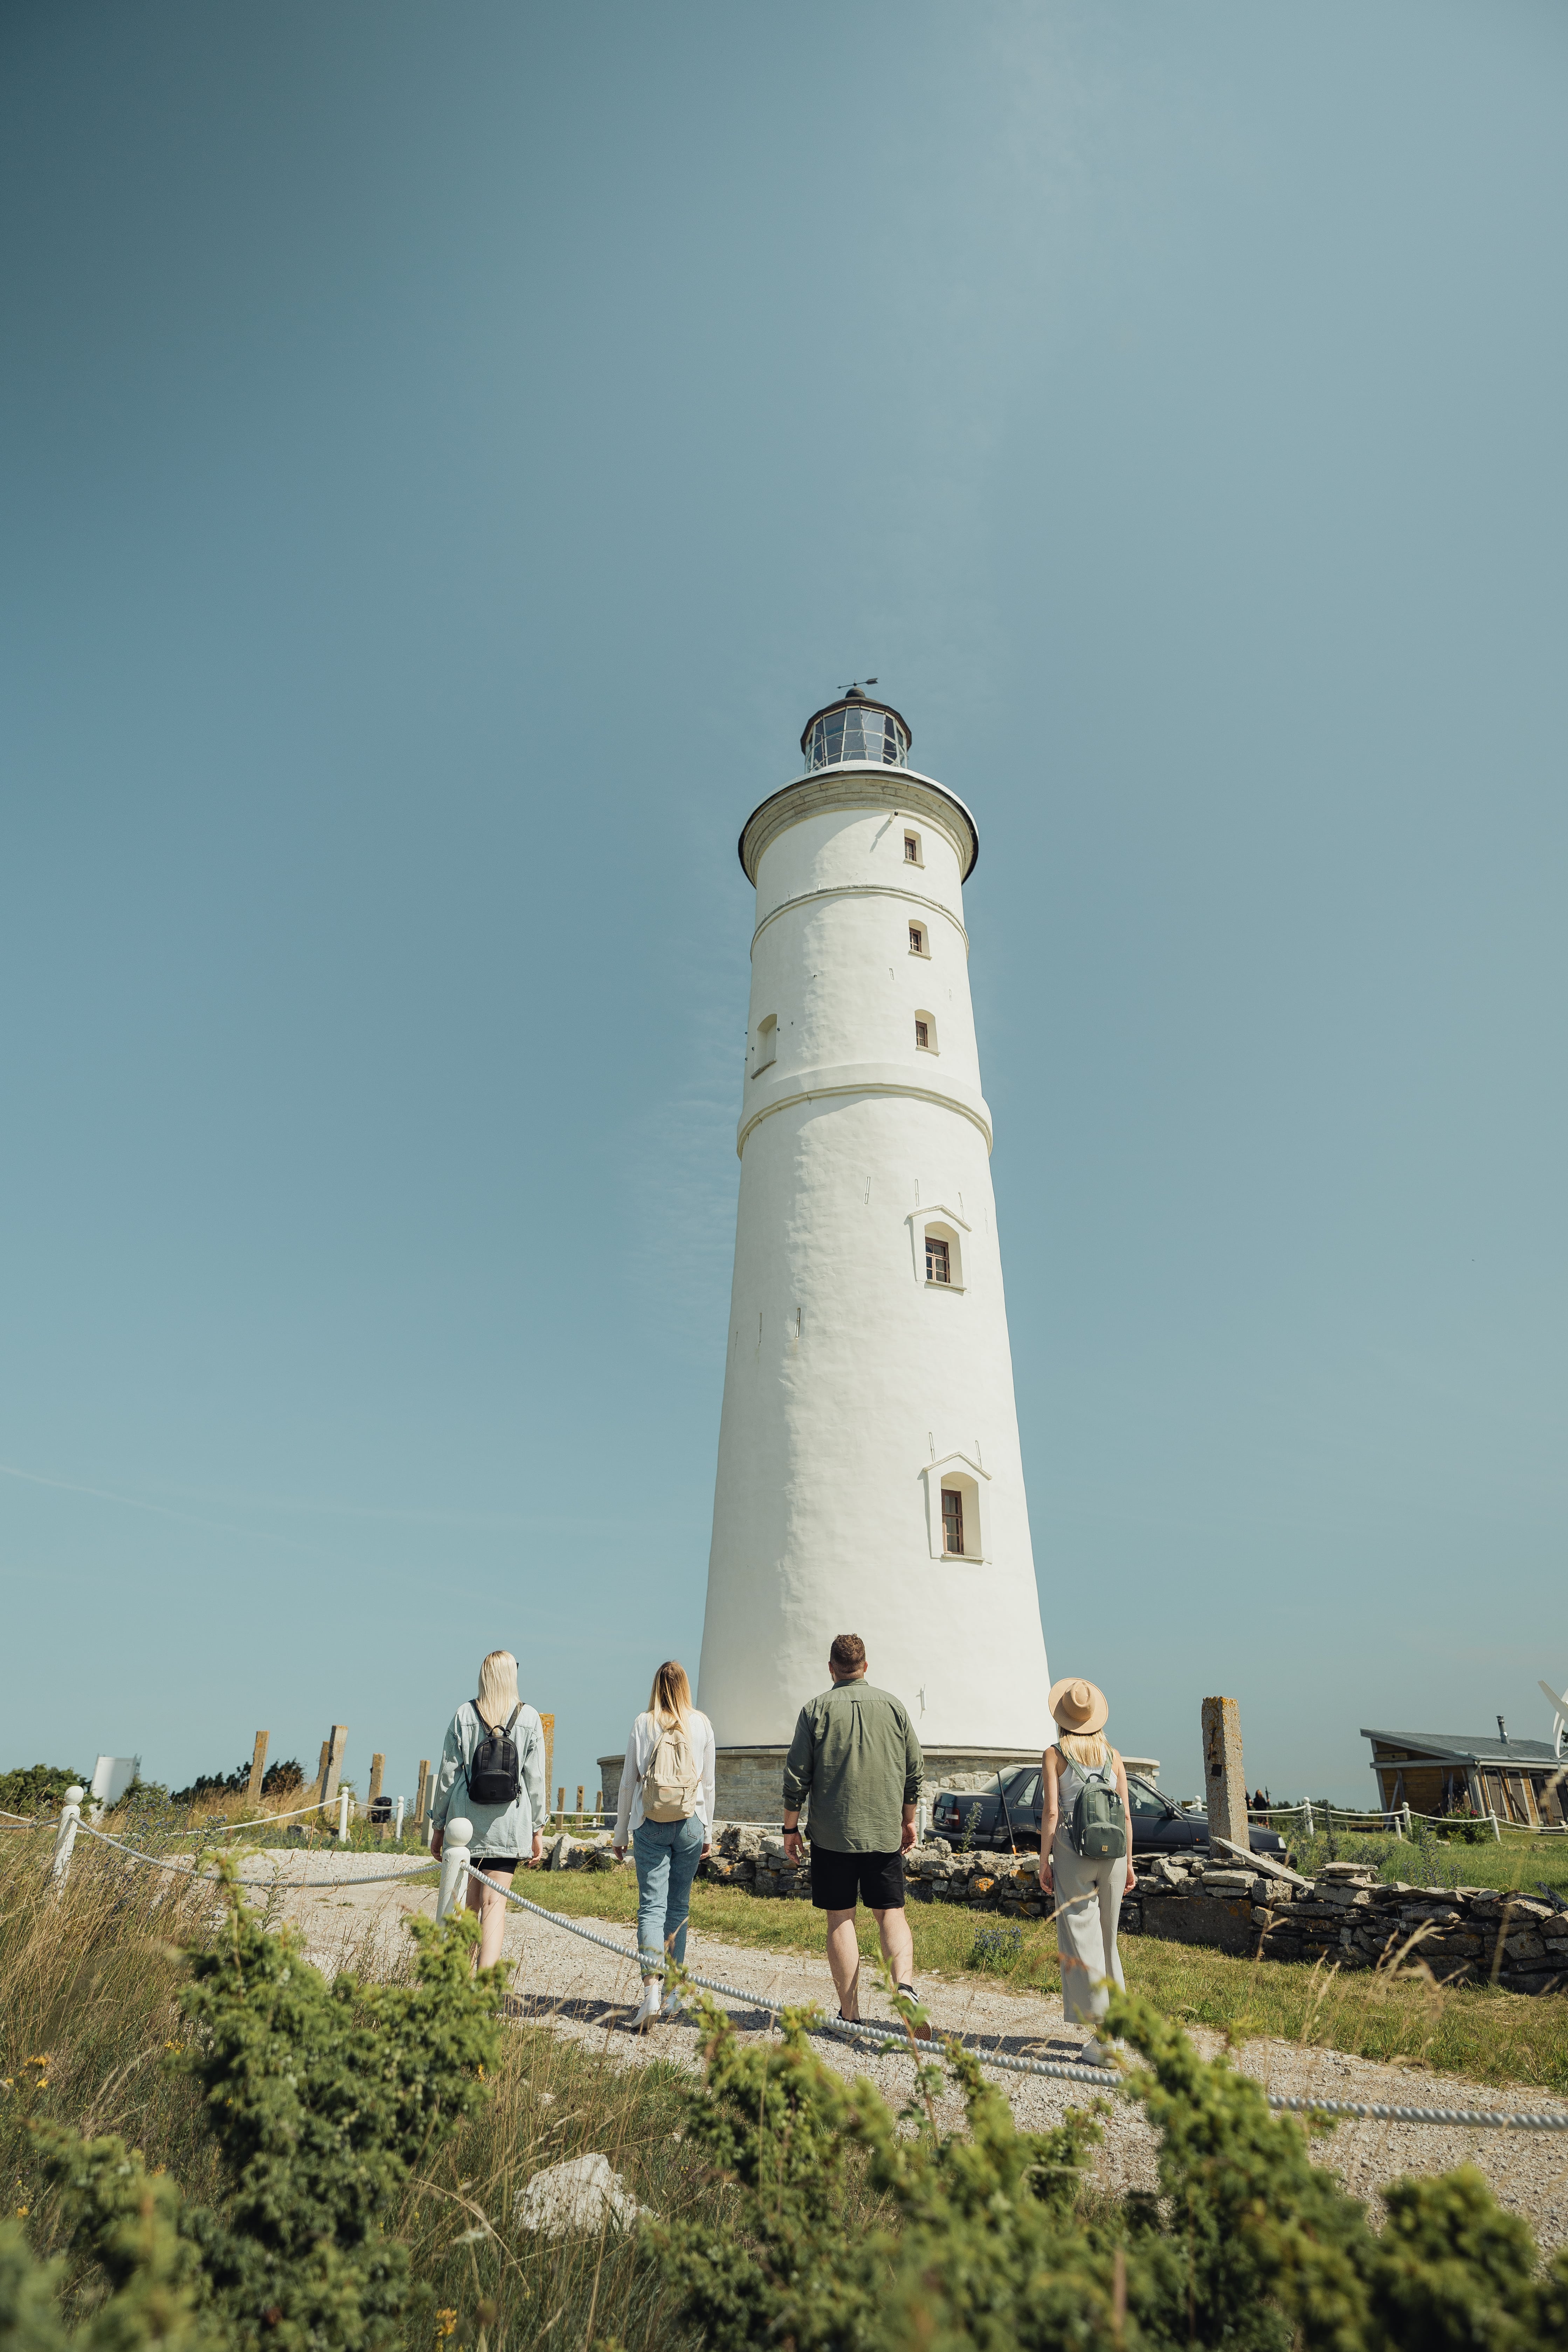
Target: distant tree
(37, 1788)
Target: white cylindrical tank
(870, 1478)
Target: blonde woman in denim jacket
(503, 1836)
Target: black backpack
(493, 1777)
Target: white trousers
(1086, 1935)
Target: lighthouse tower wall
(860, 1386)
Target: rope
(370, 1878)
(202, 1829)
(1058, 2071)
(869, 2028)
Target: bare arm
(1049, 1810)
(1126, 1808)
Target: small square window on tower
(925, 1032)
(918, 939)
(912, 850)
(767, 1045)
(953, 1522)
(939, 1261)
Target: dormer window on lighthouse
(857, 731)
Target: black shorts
(496, 1862)
(838, 1879)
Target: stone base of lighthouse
(749, 1782)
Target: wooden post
(580, 1793)
(548, 1721)
(377, 1767)
(318, 1795)
(257, 1768)
(599, 1802)
(560, 1802)
(340, 1740)
(422, 1795)
(1226, 1786)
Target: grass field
(1489, 2036)
(1521, 1863)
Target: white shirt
(640, 1745)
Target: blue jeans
(667, 1854)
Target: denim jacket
(498, 1829)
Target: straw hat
(1078, 1705)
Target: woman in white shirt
(667, 1813)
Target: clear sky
(447, 453)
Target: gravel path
(587, 1993)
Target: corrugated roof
(1462, 1746)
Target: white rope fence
(344, 1806)
(457, 1868)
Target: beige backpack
(670, 1784)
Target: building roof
(1462, 1747)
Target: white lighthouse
(869, 1477)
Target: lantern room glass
(856, 732)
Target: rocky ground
(579, 1989)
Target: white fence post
(1497, 1831)
(65, 1836)
(342, 1817)
(1306, 1808)
(454, 1867)
(397, 1832)
(1408, 1830)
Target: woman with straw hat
(1085, 1786)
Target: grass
(1520, 1863)
(1483, 2034)
(92, 2036)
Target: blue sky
(447, 455)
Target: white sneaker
(647, 2008)
(673, 2004)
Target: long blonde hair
(497, 1687)
(1088, 1749)
(669, 1701)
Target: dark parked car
(1013, 1803)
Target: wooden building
(1524, 1781)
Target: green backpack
(1099, 1832)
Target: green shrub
(321, 2099)
(994, 2240)
(37, 1788)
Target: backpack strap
(512, 1719)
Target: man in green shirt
(856, 1757)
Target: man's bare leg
(898, 1944)
(844, 1959)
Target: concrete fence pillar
(1225, 1783)
(257, 1768)
(65, 1835)
(335, 1748)
(454, 1867)
(342, 1817)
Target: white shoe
(647, 2008)
(673, 2004)
(1095, 2053)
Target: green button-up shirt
(855, 1756)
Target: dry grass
(1485, 2035)
(92, 2034)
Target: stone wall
(1345, 1913)
(750, 1780)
